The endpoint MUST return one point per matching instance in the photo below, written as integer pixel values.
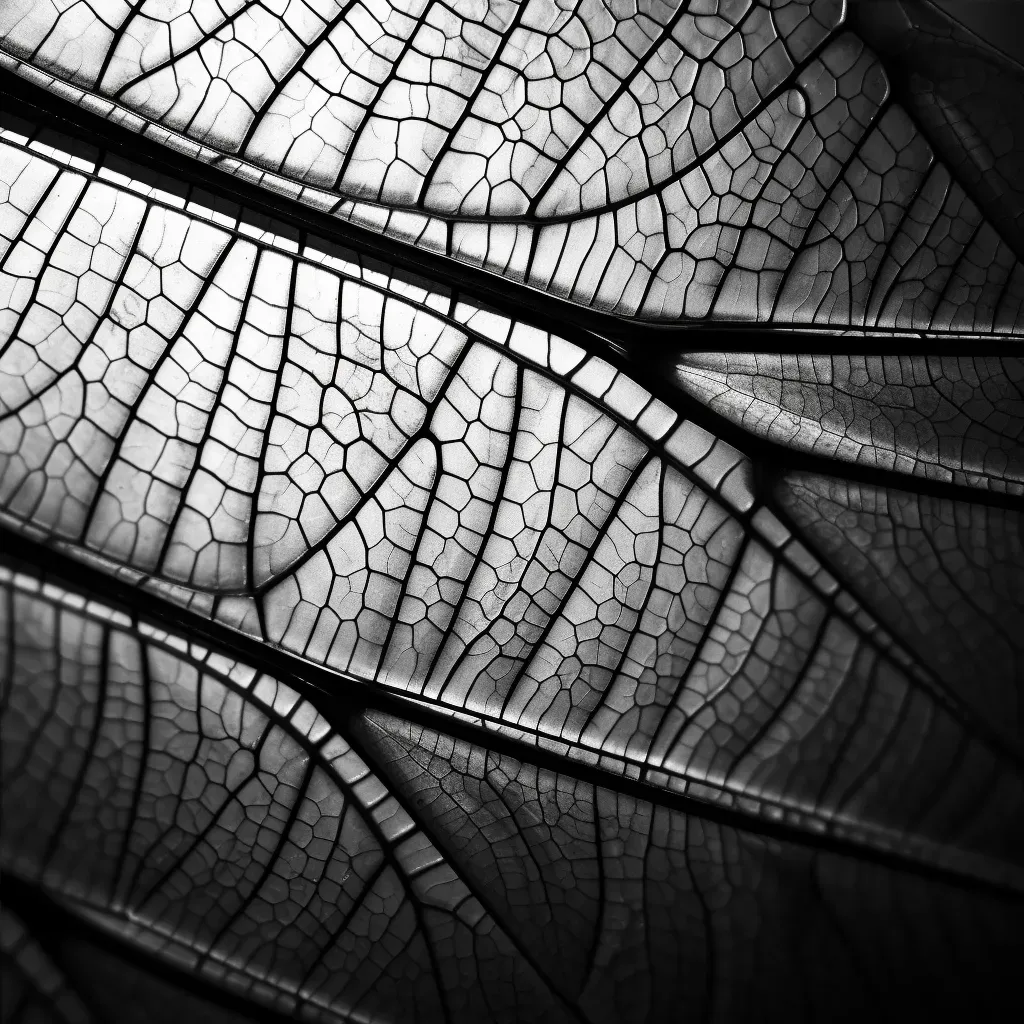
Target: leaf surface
(510, 511)
(368, 867)
(738, 161)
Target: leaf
(99, 975)
(957, 68)
(434, 631)
(922, 561)
(414, 492)
(32, 985)
(737, 161)
(221, 810)
(212, 814)
(942, 417)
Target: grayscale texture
(943, 417)
(734, 159)
(510, 511)
(211, 813)
(32, 987)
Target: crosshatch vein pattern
(414, 491)
(373, 652)
(945, 575)
(223, 781)
(731, 160)
(211, 813)
(944, 417)
(957, 71)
